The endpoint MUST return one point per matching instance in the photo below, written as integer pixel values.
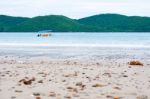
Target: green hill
(118, 23)
(58, 23)
(52, 22)
(8, 21)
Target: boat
(44, 33)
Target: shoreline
(75, 45)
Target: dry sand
(47, 78)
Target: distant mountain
(52, 22)
(58, 23)
(8, 21)
(118, 23)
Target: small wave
(74, 45)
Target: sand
(42, 77)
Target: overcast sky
(74, 8)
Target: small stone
(36, 94)
(40, 81)
(18, 91)
(79, 84)
(125, 76)
(69, 87)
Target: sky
(74, 8)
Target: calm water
(77, 39)
(76, 45)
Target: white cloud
(74, 8)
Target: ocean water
(76, 45)
(141, 40)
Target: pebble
(40, 81)
(98, 85)
(79, 84)
(36, 94)
(18, 91)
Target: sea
(77, 39)
(75, 44)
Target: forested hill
(58, 23)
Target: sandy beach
(81, 74)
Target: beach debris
(98, 85)
(27, 81)
(142, 97)
(135, 62)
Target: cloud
(74, 8)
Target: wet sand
(43, 77)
